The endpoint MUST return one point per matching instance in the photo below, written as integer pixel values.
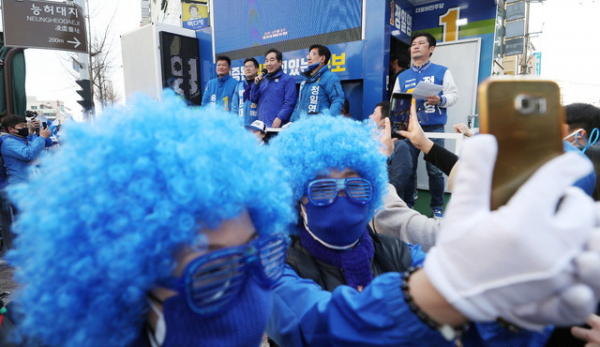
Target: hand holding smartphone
(400, 104)
(525, 116)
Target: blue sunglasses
(212, 281)
(324, 191)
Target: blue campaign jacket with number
(432, 73)
(304, 314)
(246, 109)
(326, 86)
(217, 90)
(276, 97)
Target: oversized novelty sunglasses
(324, 191)
(212, 281)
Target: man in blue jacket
(342, 284)
(19, 149)
(431, 111)
(241, 98)
(321, 92)
(219, 91)
(274, 92)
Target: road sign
(44, 24)
(514, 46)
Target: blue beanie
(99, 227)
(314, 145)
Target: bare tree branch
(102, 66)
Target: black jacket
(391, 255)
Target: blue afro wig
(101, 225)
(315, 145)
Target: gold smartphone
(525, 116)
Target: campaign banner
(401, 19)
(194, 14)
(346, 61)
(242, 24)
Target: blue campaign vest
(432, 73)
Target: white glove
(528, 262)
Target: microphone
(261, 74)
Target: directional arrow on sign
(76, 42)
(21, 20)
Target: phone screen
(44, 125)
(400, 112)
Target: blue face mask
(339, 225)
(242, 324)
(224, 296)
(312, 66)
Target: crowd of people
(170, 225)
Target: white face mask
(574, 136)
(160, 331)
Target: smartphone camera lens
(528, 104)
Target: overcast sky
(569, 49)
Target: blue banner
(241, 24)
(441, 13)
(401, 20)
(346, 61)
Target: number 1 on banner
(448, 22)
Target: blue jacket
(320, 93)
(305, 315)
(587, 183)
(276, 97)
(219, 92)
(17, 153)
(243, 106)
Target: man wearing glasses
(241, 104)
(274, 92)
(342, 284)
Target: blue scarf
(354, 262)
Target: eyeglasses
(324, 191)
(212, 281)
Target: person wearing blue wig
(151, 233)
(342, 284)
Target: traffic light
(86, 93)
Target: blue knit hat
(99, 227)
(314, 145)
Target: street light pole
(525, 58)
(85, 59)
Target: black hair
(580, 115)
(385, 109)
(12, 121)
(225, 58)
(402, 58)
(252, 60)
(323, 50)
(346, 106)
(278, 54)
(428, 36)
